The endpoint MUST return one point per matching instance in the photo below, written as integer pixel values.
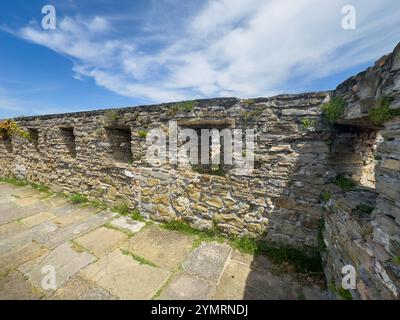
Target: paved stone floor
(100, 255)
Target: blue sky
(107, 53)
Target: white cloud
(241, 48)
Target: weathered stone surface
(208, 261)
(78, 288)
(128, 224)
(124, 277)
(75, 230)
(186, 286)
(163, 247)
(37, 219)
(101, 241)
(65, 260)
(15, 287)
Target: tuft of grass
(214, 169)
(308, 123)
(122, 209)
(142, 133)
(396, 260)
(14, 181)
(135, 215)
(365, 208)
(39, 187)
(245, 244)
(333, 110)
(250, 115)
(344, 293)
(185, 106)
(303, 260)
(326, 195)
(200, 235)
(344, 183)
(112, 116)
(78, 198)
(139, 259)
(382, 112)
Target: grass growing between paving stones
(124, 210)
(77, 198)
(139, 259)
(199, 235)
(305, 261)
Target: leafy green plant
(142, 133)
(333, 110)
(303, 260)
(382, 112)
(9, 128)
(122, 209)
(135, 215)
(344, 183)
(251, 115)
(396, 260)
(308, 123)
(365, 208)
(14, 181)
(185, 106)
(78, 198)
(112, 116)
(326, 195)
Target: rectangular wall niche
(68, 140)
(34, 137)
(120, 144)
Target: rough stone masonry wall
(368, 241)
(281, 197)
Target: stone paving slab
(39, 233)
(126, 278)
(75, 230)
(11, 228)
(65, 260)
(186, 286)
(25, 202)
(208, 261)
(102, 241)
(251, 278)
(37, 219)
(21, 255)
(128, 224)
(71, 218)
(164, 247)
(15, 286)
(78, 288)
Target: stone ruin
(291, 196)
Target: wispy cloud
(228, 47)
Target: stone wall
(101, 155)
(107, 161)
(369, 241)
